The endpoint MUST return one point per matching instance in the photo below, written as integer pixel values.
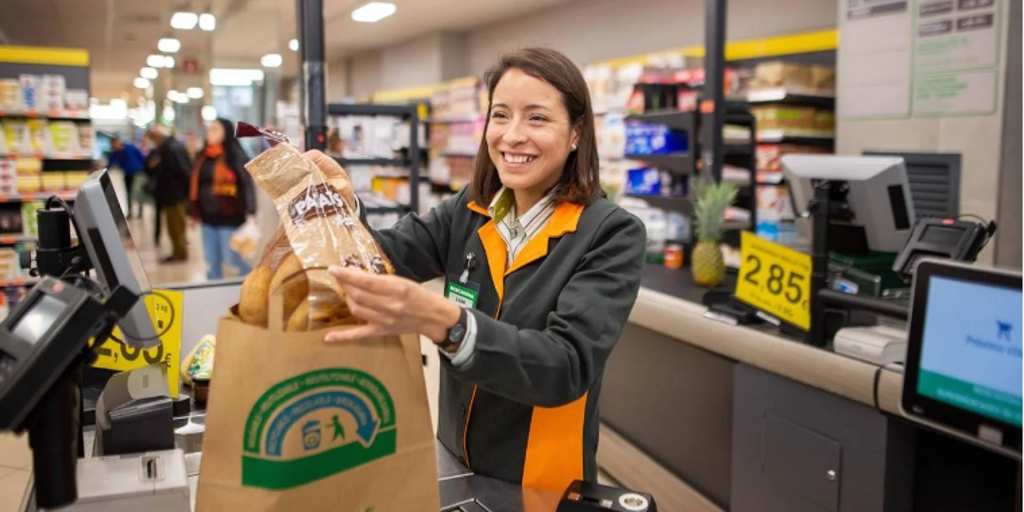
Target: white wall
(594, 30)
(336, 80)
(364, 73)
(413, 63)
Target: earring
(574, 147)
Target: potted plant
(713, 199)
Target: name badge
(463, 294)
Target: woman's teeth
(518, 159)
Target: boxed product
(29, 184)
(63, 137)
(51, 92)
(29, 217)
(39, 135)
(769, 155)
(17, 136)
(53, 182)
(74, 179)
(643, 181)
(10, 94)
(10, 222)
(653, 139)
(9, 264)
(76, 100)
(28, 166)
(787, 74)
(86, 137)
(29, 91)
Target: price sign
(165, 308)
(775, 279)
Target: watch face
(457, 333)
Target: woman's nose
(513, 133)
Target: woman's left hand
(392, 305)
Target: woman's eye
(538, 118)
(498, 115)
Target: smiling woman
(542, 273)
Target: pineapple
(713, 199)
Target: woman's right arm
(418, 244)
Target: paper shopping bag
(296, 424)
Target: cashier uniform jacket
(524, 407)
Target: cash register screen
(971, 348)
(39, 318)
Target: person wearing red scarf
(222, 197)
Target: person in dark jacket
(541, 273)
(222, 196)
(170, 169)
(131, 161)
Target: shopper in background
(170, 169)
(222, 196)
(547, 268)
(130, 160)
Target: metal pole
(714, 82)
(311, 51)
(414, 160)
(819, 261)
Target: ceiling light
(168, 114)
(208, 112)
(149, 73)
(168, 45)
(234, 77)
(184, 20)
(293, 45)
(168, 62)
(194, 92)
(141, 83)
(373, 12)
(271, 60)
(182, 98)
(155, 61)
(172, 95)
(207, 22)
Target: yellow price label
(775, 279)
(165, 309)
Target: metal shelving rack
(698, 128)
(412, 161)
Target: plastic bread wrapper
(320, 226)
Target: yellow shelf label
(165, 307)
(775, 279)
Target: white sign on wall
(909, 58)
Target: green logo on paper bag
(296, 432)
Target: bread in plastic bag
(321, 230)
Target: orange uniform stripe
(554, 452)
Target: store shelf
(793, 96)
(14, 283)
(770, 177)
(808, 137)
(388, 162)
(678, 162)
(457, 154)
(38, 155)
(14, 239)
(36, 196)
(56, 115)
(466, 119)
(671, 203)
(674, 119)
(370, 109)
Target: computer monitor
(112, 252)
(879, 192)
(963, 369)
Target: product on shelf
(29, 91)
(76, 100)
(653, 139)
(10, 94)
(39, 135)
(787, 74)
(769, 155)
(10, 221)
(17, 135)
(807, 120)
(74, 179)
(86, 137)
(29, 218)
(51, 92)
(644, 181)
(63, 137)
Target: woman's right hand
(335, 175)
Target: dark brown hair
(580, 182)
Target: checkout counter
(745, 419)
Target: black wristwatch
(457, 333)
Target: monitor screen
(39, 318)
(971, 348)
(125, 233)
